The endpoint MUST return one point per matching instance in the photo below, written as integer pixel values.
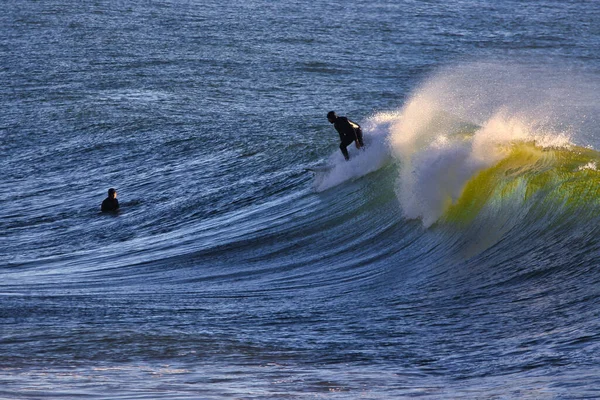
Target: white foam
(591, 166)
(373, 156)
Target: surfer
(349, 132)
(110, 203)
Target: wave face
(497, 166)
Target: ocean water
(456, 256)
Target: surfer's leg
(344, 150)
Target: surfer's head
(112, 193)
(331, 117)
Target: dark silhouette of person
(349, 132)
(110, 204)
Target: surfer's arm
(340, 132)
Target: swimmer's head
(331, 117)
(112, 193)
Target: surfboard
(320, 168)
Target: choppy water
(455, 257)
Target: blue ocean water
(456, 256)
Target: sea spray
(374, 155)
(461, 122)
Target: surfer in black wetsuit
(110, 203)
(349, 132)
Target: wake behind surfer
(111, 203)
(349, 132)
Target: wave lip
(466, 120)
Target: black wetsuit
(110, 205)
(349, 133)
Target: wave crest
(465, 121)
